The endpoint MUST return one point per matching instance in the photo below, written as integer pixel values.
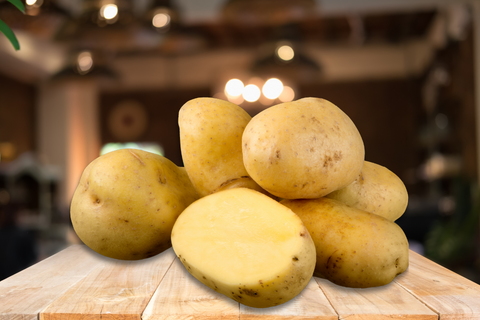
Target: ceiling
(219, 24)
(238, 29)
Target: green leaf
(9, 34)
(18, 4)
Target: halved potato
(246, 246)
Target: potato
(302, 149)
(377, 190)
(354, 248)
(211, 145)
(245, 245)
(127, 201)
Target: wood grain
(450, 295)
(25, 294)
(386, 302)
(80, 284)
(311, 303)
(181, 296)
(117, 290)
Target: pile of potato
(261, 205)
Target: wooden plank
(386, 302)
(390, 301)
(77, 283)
(25, 294)
(181, 296)
(449, 294)
(117, 290)
(311, 303)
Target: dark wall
(17, 115)
(457, 101)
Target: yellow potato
(245, 245)
(127, 201)
(211, 145)
(302, 149)
(376, 190)
(354, 248)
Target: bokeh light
(272, 88)
(84, 62)
(285, 53)
(251, 93)
(109, 11)
(161, 20)
(288, 94)
(234, 88)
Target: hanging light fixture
(163, 15)
(286, 60)
(86, 64)
(161, 20)
(108, 12)
(285, 52)
(32, 7)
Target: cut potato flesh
(246, 246)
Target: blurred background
(96, 75)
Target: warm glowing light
(287, 94)
(234, 87)
(251, 93)
(161, 20)
(272, 88)
(285, 53)
(33, 7)
(238, 100)
(109, 11)
(84, 62)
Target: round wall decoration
(128, 120)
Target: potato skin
(303, 149)
(354, 248)
(211, 143)
(127, 201)
(376, 190)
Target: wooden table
(77, 283)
